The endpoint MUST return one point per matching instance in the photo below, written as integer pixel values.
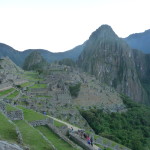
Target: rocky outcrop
(111, 60)
(143, 69)
(6, 146)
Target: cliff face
(111, 60)
(143, 69)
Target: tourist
(92, 141)
(88, 140)
(72, 129)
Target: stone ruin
(15, 115)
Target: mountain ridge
(18, 57)
(140, 41)
(111, 60)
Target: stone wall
(15, 115)
(42, 122)
(2, 106)
(63, 97)
(6, 146)
(80, 142)
(5, 86)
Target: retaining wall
(42, 122)
(15, 115)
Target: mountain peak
(104, 31)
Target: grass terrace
(5, 92)
(31, 115)
(32, 137)
(36, 86)
(43, 96)
(56, 140)
(13, 95)
(24, 96)
(10, 108)
(26, 84)
(58, 124)
(7, 130)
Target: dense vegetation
(131, 128)
(74, 89)
(67, 62)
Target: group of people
(85, 136)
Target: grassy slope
(26, 84)
(56, 141)
(10, 108)
(7, 130)
(31, 115)
(32, 137)
(5, 92)
(36, 86)
(13, 95)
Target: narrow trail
(69, 126)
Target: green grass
(13, 95)
(36, 86)
(56, 141)
(7, 130)
(24, 96)
(10, 108)
(5, 92)
(31, 115)
(26, 84)
(58, 124)
(32, 137)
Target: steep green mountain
(34, 62)
(140, 41)
(19, 57)
(111, 60)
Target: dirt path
(69, 126)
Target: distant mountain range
(140, 41)
(111, 59)
(19, 57)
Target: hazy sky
(59, 25)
